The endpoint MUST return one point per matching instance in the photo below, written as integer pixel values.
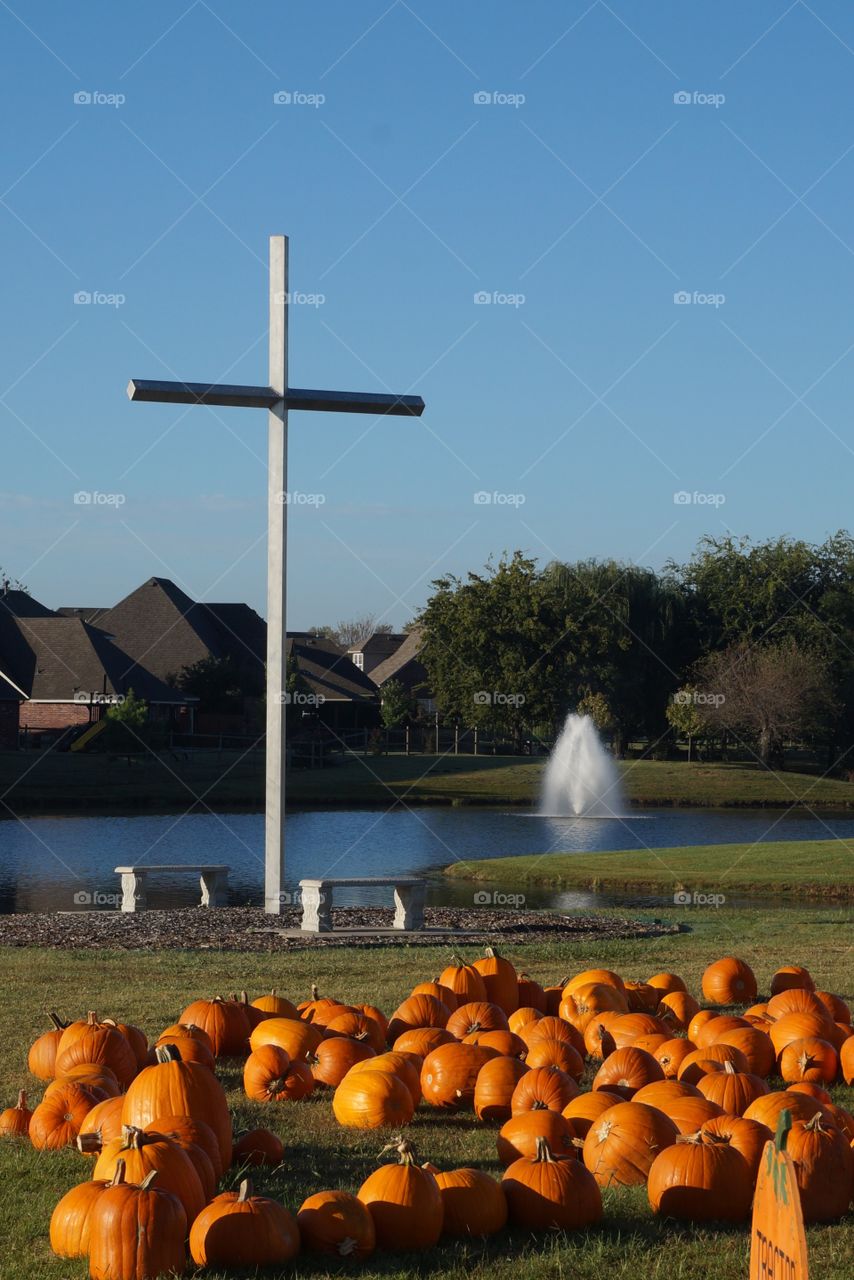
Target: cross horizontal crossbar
(232, 396)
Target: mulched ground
(250, 929)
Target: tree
(353, 632)
(8, 583)
(685, 715)
(216, 682)
(128, 726)
(396, 704)
(767, 692)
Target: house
(65, 671)
(371, 652)
(404, 666)
(341, 695)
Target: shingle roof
(58, 657)
(88, 613)
(20, 604)
(328, 671)
(163, 629)
(378, 647)
(403, 664)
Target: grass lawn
(813, 868)
(74, 783)
(151, 989)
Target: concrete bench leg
(408, 906)
(133, 891)
(214, 885)
(316, 910)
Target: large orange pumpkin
(172, 1087)
(56, 1121)
(642, 997)
(239, 1229)
(621, 1145)
(404, 1202)
(524, 1015)
(625, 1029)
(298, 1039)
(700, 1180)
(358, 1026)
(500, 980)
(225, 1022)
(543, 1089)
(476, 1016)
(504, 1043)
(531, 994)
(334, 1057)
(337, 1223)
(102, 1125)
(791, 976)
(422, 1040)
(136, 1232)
(677, 1008)
(663, 1093)
(755, 1045)
(666, 983)
(258, 1147)
(494, 1089)
(846, 1061)
(748, 1137)
(519, 1136)
(465, 982)
(547, 1051)
(417, 1012)
(547, 1193)
(733, 1091)
(473, 1203)
(102, 1046)
(582, 1003)
(729, 981)
(626, 1070)
(372, 1100)
(809, 1059)
(795, 1000)
(553, 1028)
(598, 1041)
(671, 1055)
(799, 1026)
(275, 1006)
(824, 1167)
(604, 976)
(193, 1135)
(768, 1108)
(141, 1153)
(449, 1075)
(71, 1220)
(405, 1066)
(835, 1006)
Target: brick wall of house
(8, 726)
(53, 715)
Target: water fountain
(581, 779)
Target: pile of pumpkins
(679, 1100)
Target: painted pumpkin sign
(778, 1246)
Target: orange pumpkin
(465, 982)
(500, 980)
(504, 1043)
(494, 1089)
(141, 1153)
(767, 1109)
(530, 995)
(755, 1045)
(100, 1080)
(695, 1064)
(598, 1041)
(449, 1075)
(627, 1070)
(716, 1028)
(795, 1000)
(729, 981)
(275, 1006)
(547, 1051)
(15, 1121)
(358, 1026)
(553, 1028)
(799, 1026)
(102, 1046)
(70, 1221)
(298, 1039)
(422, 1040)
(809, 1059)
(582, 1111)
(193, 1135)
(136, 1231)
(257, 1147)
(404, 1065)
(642, 997)
(192, 1049)
(791, 976)
(663, 1093)
(225, 1021)
(543, 1089)
(41, 1059)
(473, 1203)
(677, 1008)
(733, 1091)
(671, 1055)
(699, 1020)
(404, 1202)
(333, 1058)
(607, 977)
(582, 1003)
(824, 1167)
(337, 1223)
(476, 1016)
(545, 1193)
(56, 1121)
(625, 1029)
(102, 1125)
(519, 1136)
(835, 1006)
(417, 1012)
(666, 983)
(524, 1015)
(621, 1145)
(700, 1180)
(172, 1087)
(846, 1061)
(748, 1137)
(239, 1229)
(372, 1100)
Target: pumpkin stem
(315, 993)
(404, 1149)
(148, 1180)
(22, 1100)
(814, 1124)
(167, 1053)
(490, 953)
(90, 1144)
(133, 1137)
(58, 1022)
(119, 1175)
(92, 1018)
(544, 1152)
(729, 1068)
(245, 1191)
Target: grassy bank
(800, 869)
(96, 783)
(152, 988)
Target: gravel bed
(251, 929)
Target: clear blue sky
(598, 198)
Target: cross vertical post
(277, 572)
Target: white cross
(279, 398)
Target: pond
(66, 863)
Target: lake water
(66, 863)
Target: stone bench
(317, 900)
(213, 880)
